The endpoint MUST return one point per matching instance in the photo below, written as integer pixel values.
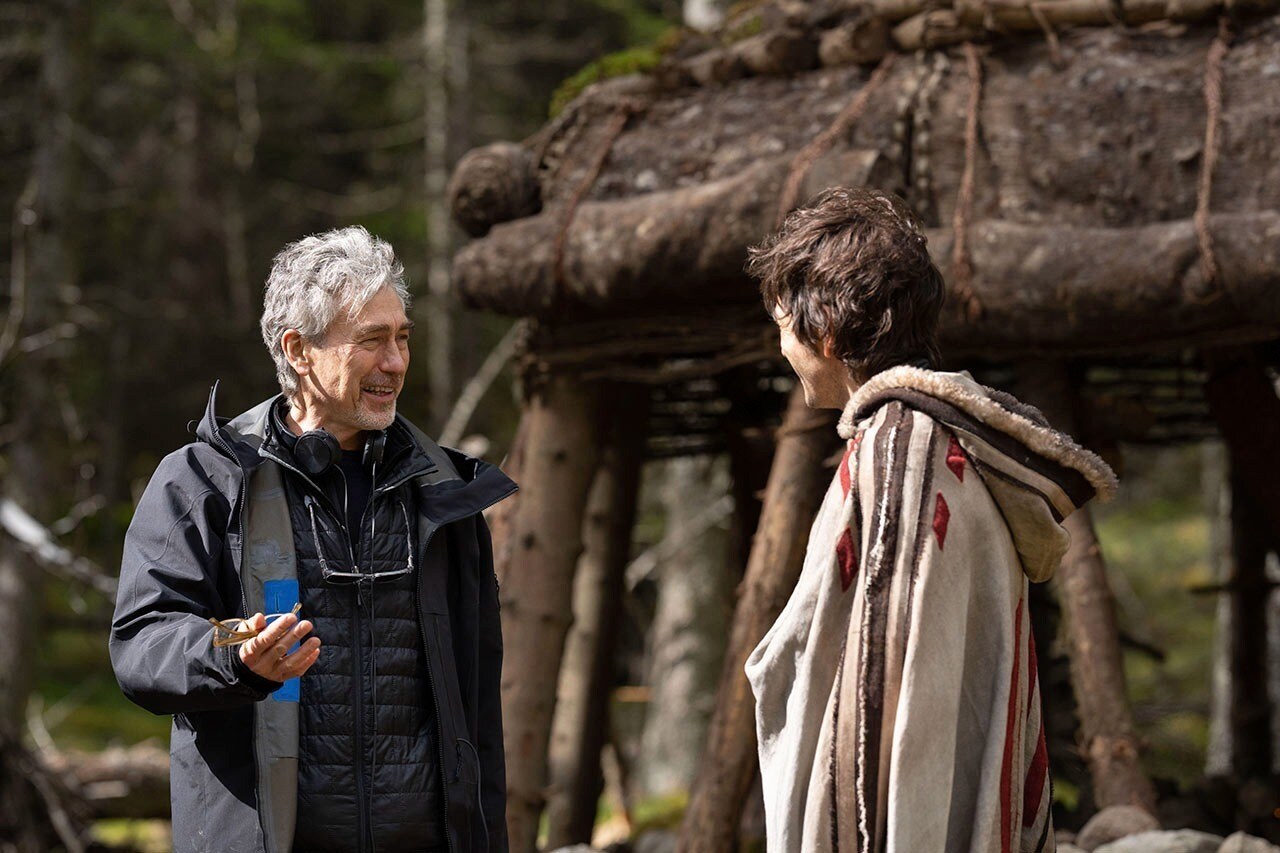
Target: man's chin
(380, 419)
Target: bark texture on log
(496, 183)
(501, 517)
(796, 482)
(537, 596)
(1042, 288)
(1110, 135)
(581, 726)
(1108, 739)
(1103, 173)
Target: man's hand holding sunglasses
(268, 655)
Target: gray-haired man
(372, 720)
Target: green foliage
(743, 27)
(663, 812)
(1156, 542)
(144, 836)
(631, 61)
(643, 24)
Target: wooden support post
(796, 481)
(537, 597)
(1250, 705)
(501, 517)
(1109, 741)
(581, 725)
(1246, 408)
(1245, 405)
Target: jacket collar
(452, 484)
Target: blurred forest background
(157, 155)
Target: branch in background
(479, 384)
(643, 565)
(24, 217)
(39, 541)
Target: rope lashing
(621, 115)
(821, 143)
(1213, 107)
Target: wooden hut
(1102, 188)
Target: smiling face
(349, 380)
(825, 379)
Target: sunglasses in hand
(231, 632)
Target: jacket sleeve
(161, 640)
(493, 794)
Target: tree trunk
(439, 304)
(501, 517)
(44, 214)
(796, 481)
(537, 596)
(690, 626)
(1109, 742)
(581, 726)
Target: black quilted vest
(368, 761)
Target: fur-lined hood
(1036, 474)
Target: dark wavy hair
(852, 267)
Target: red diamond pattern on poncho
(846, 476)
(847, 558)
(955, 459)
(941, 515)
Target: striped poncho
(898, 707)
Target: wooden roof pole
(560, 454)
(1108, 739)
(796, 481)
(581, 725)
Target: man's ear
(828, 347)
(295, 351)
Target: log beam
(560, 455)
(796, 481)
(1043, 287)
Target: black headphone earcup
(316, 451)
(375, 446)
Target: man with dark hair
(897, 701)
(371, 720)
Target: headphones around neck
(317, 450)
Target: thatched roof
(1088, 158)
(1095, 226)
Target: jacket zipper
(362, 812)
(422, 628)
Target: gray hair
(318, 276)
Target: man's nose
(393, 360)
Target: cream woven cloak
(897, 702)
